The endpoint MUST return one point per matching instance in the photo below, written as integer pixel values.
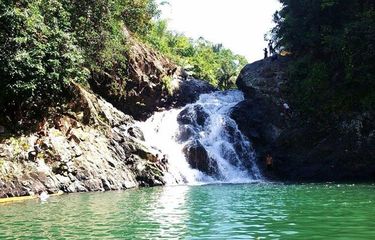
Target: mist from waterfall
(205, 123)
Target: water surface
(248, 211)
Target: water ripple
(248, 211)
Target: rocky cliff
(90, 147)
(301, 152)
(153, 82)
(92, 143)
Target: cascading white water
(206, 125)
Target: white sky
(239, 25)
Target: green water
(252, 211)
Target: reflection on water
(170, 212)
(249, 211)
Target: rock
(188, 91)
(136, 133)
(198, 158)
(260, 120)
(193, 115)
(185, 133)
(264, 77)
(75, 157)
(300, 150)
(141, 93)
(153, 83)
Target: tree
(205, 60)
(39, 56)
(333, 65)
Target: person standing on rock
(272, 51)
(270, 48)
(265, 53)
(156, 158)
(269, 162)
(164, 161)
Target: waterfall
(202, 143)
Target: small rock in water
(2, 129)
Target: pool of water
(248, 211)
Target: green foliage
(46, 44)
(39, 56)
(204, 59)
(99, 27)
(332, 43)
(167, 84)
(137, 14)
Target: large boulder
(191, 120)
(262, 116)
(301, 151)
(187, 90)
(261, 120)
(266, 76)
(198, 158)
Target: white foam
(162, 128)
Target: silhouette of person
(164, 161)
(269, 162)
(265, 53)
(270, 48)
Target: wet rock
(185, 133)
(198, 158)
(193, 115)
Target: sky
(239, 25)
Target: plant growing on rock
(39, 56)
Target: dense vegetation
(205, 60)
(333, 51)
(47, 44)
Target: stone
(300, 150)
(136, 133)
(32, 155)
(185, 133)
(193, 115)
(198, 158)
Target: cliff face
(300, 151)
(153, 83)
(92, 147)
